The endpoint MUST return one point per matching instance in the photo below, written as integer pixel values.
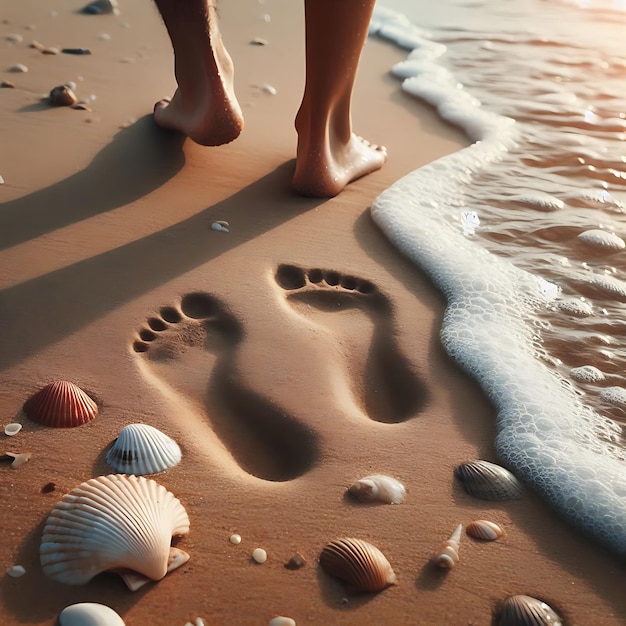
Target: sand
(280, 390)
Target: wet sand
(280, 389)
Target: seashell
(89, 613)
(61, 404)
(280, 620)
(113, 523)
(448, 554)
(221, 225)
(101, 7)
(142, 449)
(485, 530)
(10, 430)
(62, 96)
(488, 481)
(235, 539)
(359, 563)
(259, 555)
(17, 571)
(526, 611)
(378, 487)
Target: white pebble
(72, 85)
(259, 555)
(282, 621)
(269, 89)
(18, 68)
(12, 429)
(235, 539)
(15, 38)
(16, 571)
(105, 37)
(1, 180)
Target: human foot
(324, 169)
(189, 352)
(204, 106)
(355, 311)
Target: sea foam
(559, 446)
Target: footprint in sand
(190, 350)
(355, 311)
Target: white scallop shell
(378, 487)
(114, 522)
(142, 449)
(89, 613)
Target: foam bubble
(587, 374)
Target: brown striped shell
(488, 481)
(484, 530)
(61, 404)
(526, 611)
(358, 563)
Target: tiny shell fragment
(12, 429)
(235, 539)
(19, 458)
(295, 562)
(18, 68)
(16, 571)
(76, 51)
(269, 89)
(48, 488)
(7, 84)
(259, 555)
(15, 38)
(259, 41)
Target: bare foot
(204, 106)
(323, 170)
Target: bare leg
(329, 154)
(204, 106)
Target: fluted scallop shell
(484, 530)
(61, 404)
(448, 554)
(488, 481)
(358, 563)
(526, 611)
(378, 488)
(89, 613)
(142, 449)
(113, 522)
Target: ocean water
(523, 230)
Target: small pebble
(269, 89)
(105, 37)
(295, 562)
(265, 17)
(50, 51)
(101, 7)
(259, 555)
(1, 180)
(7, 84)
(15, 38)
(37, 45)
(235, 539)
(16, 571)
(259, 41)
(18, 68)
(282, 621)
(62, 96)
(48, 488)
(221, 225)
(82, 106)
(76, 51)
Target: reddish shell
(359, 563)
(484, 530)
(61, 404)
